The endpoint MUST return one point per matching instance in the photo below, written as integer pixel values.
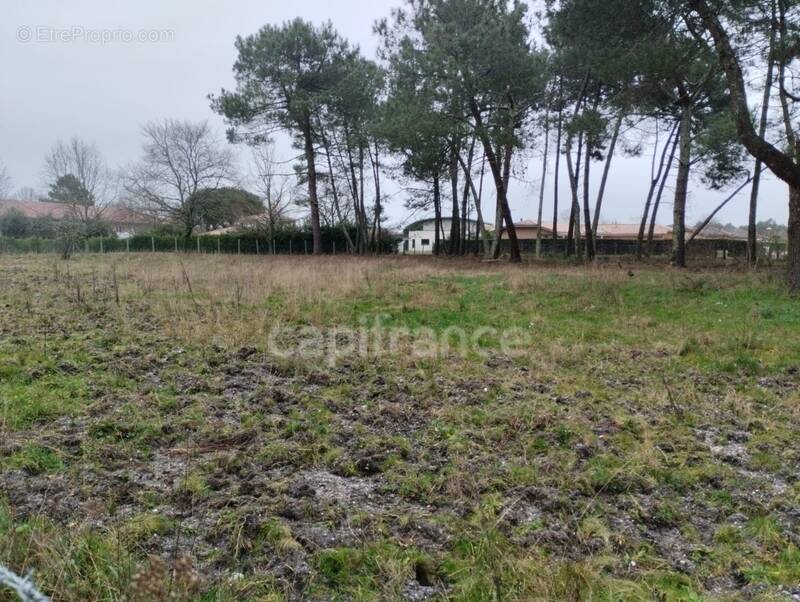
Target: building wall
(421, 242)
(529, 233)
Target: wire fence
(22, 586)
(249, 245)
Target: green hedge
(29, 245)
(284, 242)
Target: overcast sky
(60, 79)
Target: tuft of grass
(34, 459)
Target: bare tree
(180, 158)
(275, 188)
(82, 161)
(27, 193)
(5, 182)
(77, 176)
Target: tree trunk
(480, 240)
(544, 181)
(481, 232)
(556, 175)
(498, 222)
(353, 184)
(606, 169)
(655, 176)
(376, 227)
(455, 225)
(752, 234)
(497, 235)
(437, 210)
(660, 194)
(782, 164)
(362, 207)
(574, 174)
(335, 192)
(506, 180)
(313, 199)
(794, 238)
(497, 175)
(587, 211)
(752, 219)
(569, 250)
(465, 198)
(575, 215)
(682, 189)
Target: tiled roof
(60, 210)
(603, 230)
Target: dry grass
(300, 279)
(235, 300)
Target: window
(426, 242)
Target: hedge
(284, 242)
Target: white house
(419, 237)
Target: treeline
(461, 89)
(461, 95)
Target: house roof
(620, 231)
(720, 233)
(630, 231)
(547, 226)
(419, 224)
(33, 209)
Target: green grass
(35, 459)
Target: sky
(99, 69)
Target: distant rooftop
(34, 209)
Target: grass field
(208, 428)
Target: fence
(249, 245)
(303, 245)
(700, 248)
(22, 586)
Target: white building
(419, 237)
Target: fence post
(198, 245)
(153, 244)
(290, 246)
(127, 245)
(238, 246)
(257, 253)
(305, 247)
(219, 247)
